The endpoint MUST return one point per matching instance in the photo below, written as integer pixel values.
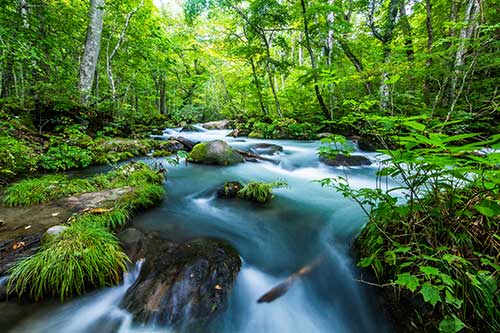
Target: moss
(199, 152)
(161, 153)
(255, 135)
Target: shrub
(64, 157)
(15, 157)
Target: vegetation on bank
(435, 234)
(87, 254)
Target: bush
(64, 157)
(15, 157)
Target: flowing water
(303, 221)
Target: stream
(302, 222)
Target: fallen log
(284, 286)
(251, 157)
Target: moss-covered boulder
(256, 135)
(190, 128)
(214, 152)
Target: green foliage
(36, 190)
(334, 145)
(15, 157)
(86, 255)
(259, 192)
(439, 237)
(65, 157)
(282, 128)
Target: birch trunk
(91, 49)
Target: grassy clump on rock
(86, 254)
(259, 191)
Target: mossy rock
(256, 135)
(214, 152)
(346, 160)
(229, 190)
(190, 128)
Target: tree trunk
(355, 62)
(257, 86)
(430, 41)
(405, 26)
(91, 49)
(308, 46)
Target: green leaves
(430, 294)
(408, 281)
(451, 324)
(488, 208)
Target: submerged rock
(181, 285)
(266, 148)
(220, 124)
(229, 190)
(346, 160)
(214, 152)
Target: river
(303, 221)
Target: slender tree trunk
(466, 33)
(384, 87)
(109, 57)
(355, 62)
(163, 108)
(430, 41)
(257, 86)
(91, 49)
(406, 27)
(314, 66)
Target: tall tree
(91, 49)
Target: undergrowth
(439, 238)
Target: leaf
(488, 208)
(429, 270)
(430, 293)
(408, 281)
(414, 125)
(451, 324)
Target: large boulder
(221, 124)
(214, 152)
(181, 285)
(265, 148)
(346, 160)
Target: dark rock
(221, 124)
(188, 144)
(229, 190)
(239, 132)
(266, 148)
(369, 144)
(346, 160)
(214, 152)
(190, 128)
(182, 285)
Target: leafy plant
(259, 191)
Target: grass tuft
(259, 191)
(86, 255)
